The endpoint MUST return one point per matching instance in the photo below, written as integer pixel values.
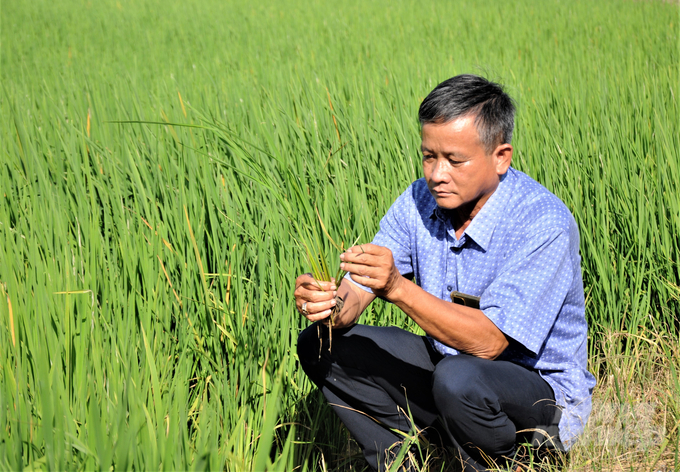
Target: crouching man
(505, 366)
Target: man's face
(459, 172)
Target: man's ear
(503, 157)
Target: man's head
(466, 127)
(475, 96)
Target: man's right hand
(316, 297)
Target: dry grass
(635, 419)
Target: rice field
(161, 163)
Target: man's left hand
(372, 266)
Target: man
(486, 378)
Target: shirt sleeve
(395, 234)
(527, 295)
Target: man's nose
(440, 171)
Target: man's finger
(365, 258)
(302, 278)
(365, 281)
(315, 285)
(364, 270)
(318, 308)
(319, 316)
(366, 249)
(314, 295)
(319, 286)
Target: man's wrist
(398, 292)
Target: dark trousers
(377, 378)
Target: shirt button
(449, 288)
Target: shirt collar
(484, 223)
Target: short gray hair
(468, 94)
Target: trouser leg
(486, 405)
(376, 379)
(372, 377)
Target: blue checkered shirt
(520, 254)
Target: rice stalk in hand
(321, 272)
(317, 258)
